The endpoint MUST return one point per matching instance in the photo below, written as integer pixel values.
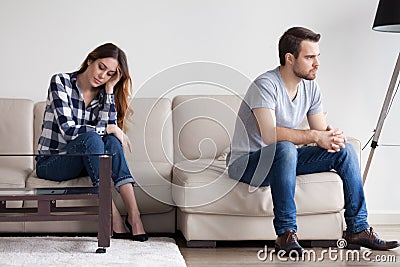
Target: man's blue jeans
(289, 161)
(61, 168)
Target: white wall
(42, 37)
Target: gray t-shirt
(269, 91)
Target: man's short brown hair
(291, 40)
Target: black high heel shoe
(140, 238)
(121, 235)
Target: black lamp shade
(387, 18)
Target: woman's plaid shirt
(66, 116)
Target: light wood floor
(245, 254)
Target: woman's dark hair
(291, 40)
(122, 90)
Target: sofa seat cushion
(35, 182)
(203, 186)
(152, 189)
(13, 177)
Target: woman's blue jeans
(61, 168)
(258, 169)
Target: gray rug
(80, 251)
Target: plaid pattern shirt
(66, 116)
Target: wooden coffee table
(47, 198)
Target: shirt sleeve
(262, 94)
(60, 99)
(316, 101)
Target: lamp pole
(382, 116)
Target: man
(264, 151)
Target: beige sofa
(178, 162)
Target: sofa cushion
(38, 112)
(16, 126)
(12, 176)
(150, 131)
(16, 137)
(34, 181)
(203, 125)
(11, 173)
(204, 187)
(153, 189)
(152, 192)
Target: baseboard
(383, 217)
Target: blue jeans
(279, 165)
(61, 168)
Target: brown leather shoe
(369, 239)
(288, 242)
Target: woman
(81, 117)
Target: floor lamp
(387, 19)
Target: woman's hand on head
(113, 81)
(120, 135)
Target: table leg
(105, 214)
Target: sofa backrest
(203, 125)
(15, 126)
(16, 137)
(150, 130)
(38, 112)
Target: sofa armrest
(357, 147)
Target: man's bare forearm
(297, 137)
